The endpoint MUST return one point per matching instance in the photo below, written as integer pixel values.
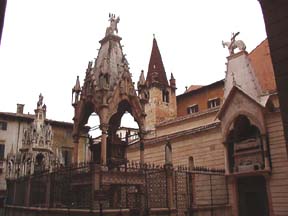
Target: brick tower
(159, 94)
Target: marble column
(104, 129)
(141, 151)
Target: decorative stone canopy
(108, 89)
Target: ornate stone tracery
(36, 153)
(108, 90)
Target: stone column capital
(104, 127)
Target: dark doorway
(252, 196)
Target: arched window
(165, 96)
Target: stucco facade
(11, 138)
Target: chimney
(20, 108)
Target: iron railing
(131, 186)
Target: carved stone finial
(172, 81)
(141, 78)
(77, 87)
(233, 44)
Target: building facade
(214, 150)
(233, 123)
(33, 143)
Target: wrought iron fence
(131, 186)
(199, 187)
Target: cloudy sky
(47, 43)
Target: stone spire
(109, 66)
(77, 87)
(172, 81)
(156, 72)
(76, 91)
(142, 88)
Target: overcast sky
(47, 43)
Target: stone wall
(278, 181)
(205, 147)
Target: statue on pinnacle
(113, 24)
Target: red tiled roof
(201, 88)
(193, 87)
(261, 61)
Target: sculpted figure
(40, 101)
(168, 153)
(234, 44)
(113, 24)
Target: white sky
(47, 43)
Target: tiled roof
(261, 61)
(193, 87)
(191, 92)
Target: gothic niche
(245, 146)
(39, 165)
(104, 81)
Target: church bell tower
(159, 95)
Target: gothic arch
(82, 114)
(229, 123)
(244, 145)
(129, 104)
